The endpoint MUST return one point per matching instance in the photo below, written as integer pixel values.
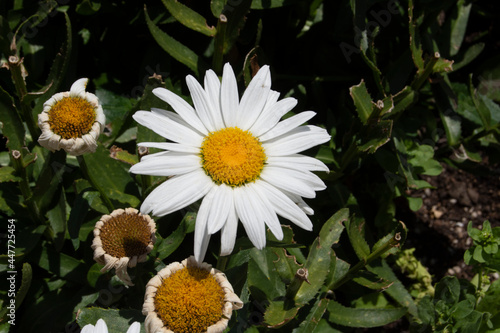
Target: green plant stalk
(220, 39)
(394, 241)
(86, 174)
(420, 79)
(349, 155)
(298, 279)
(18, 80)
(221, 263)
(24, 186)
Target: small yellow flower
(189, 297)
(122, 239)
(72, 120)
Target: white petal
(177, 192)
(295, 141)
(101, 327)
(170, 164)
(299, 202)
(228, 233)
(171, 147)
(229, 97)
(297, 162)
(201, 103)
(249, 214)
(134, 328)
(284, 206)
(287, 181)
(180, 106)
(78, 88)
(287, 125)
(272, 114)
(221, 206)
(201, 235)
(168, 128)
(212, 88)
(254, 98)
(266, 210)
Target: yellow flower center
(189, 301)
(125, 235)
(72, 117)
(232, 156)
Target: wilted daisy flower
(237, 154)
(122, 239)
(189, 297)
(72, 120)
(100, 327)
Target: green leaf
(58, 222)
(371, 280)
(27, 274)
(116, 320)
(491, 301)
(355, 317)
(117, 110)
(448, 290)
(286, 265)
(356, 232)
(362, 101)
(123, 156)
(319, 258)
(404, 99)
(452, 127)
(12, 125)
(177, 50)
(62, 265)
(464, 58)
(189, 17)
(458, 25)
(377, 136)
(217, 6)
(277, 314)
(7, 174)
(88, 7)
(397, 290)
(415, 46)
(313, 318)
(264, 282)
(115, 181)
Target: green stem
(15, 67)
(421, 78)
(87, 175)
(24, 186)
(220, 39)
(394, 241)
(222, 262)
(294, 286)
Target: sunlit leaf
(355, 317)
(189, 17)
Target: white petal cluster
(285, 179)
(100, 327)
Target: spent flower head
(189, 297)
(72, 120)
(122, 239)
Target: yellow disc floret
(125, 235)
(72, 117)
(189, 300)
(232, 156)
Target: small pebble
(453, 201)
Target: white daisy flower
(100, 327)
(72, 120)
(235, 154)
